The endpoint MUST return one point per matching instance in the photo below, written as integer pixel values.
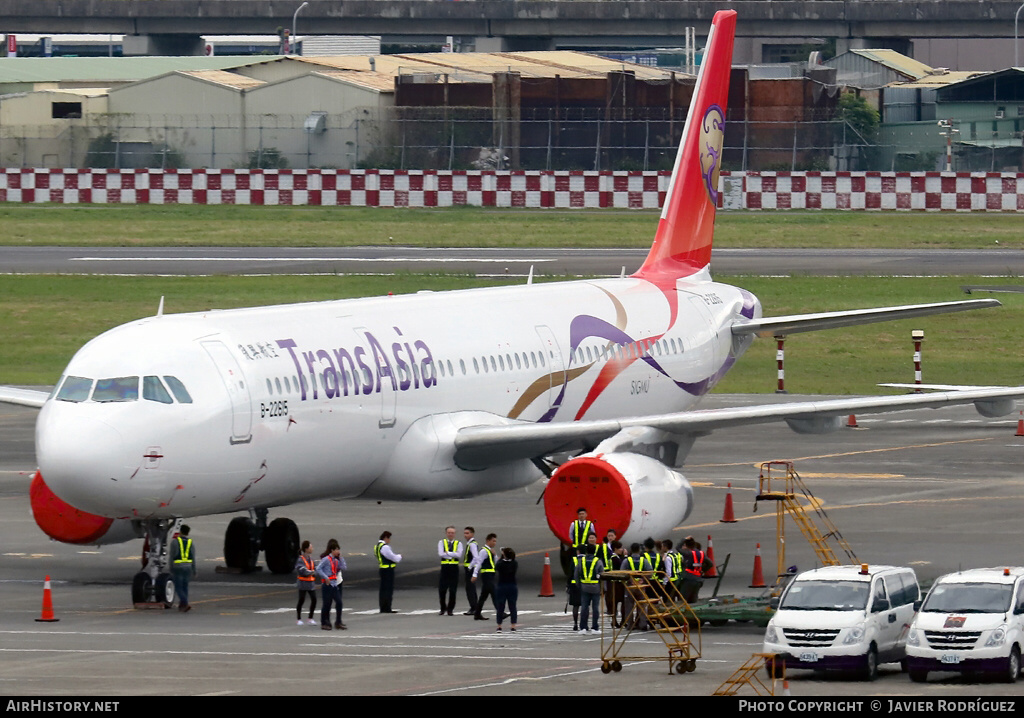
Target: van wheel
(1012, 666)
(870, 671)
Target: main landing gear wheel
(241, 545)
(281, 545)
(142, 587)
(163, 590)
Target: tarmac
(937, 490)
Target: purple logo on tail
(712, 133)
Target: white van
(844, 617)
(971, 621)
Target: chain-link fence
(470, 138)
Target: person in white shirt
(449, 550)
(471, 549)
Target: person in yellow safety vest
(183, 566)
(587, 575)
(387, 559)
(668, 562)
(305, 567)
(484, 569)
(581, 528)
(449, 550)
(636, 561)
(653, 555)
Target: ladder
(746, 675)
(787, 491)
(665, 610)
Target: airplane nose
(84, 462)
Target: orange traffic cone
(47, 614)
(712, 572)
(785, 687)
(546, 589)
(758, 579)
(851, 423)
(728, 517)
(1020, 425)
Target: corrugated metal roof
(225, 78)
(931, 82)
(478, 66)
(112, 69)
(896, 61)
(370, 80)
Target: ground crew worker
(580, 529)
(305, 567)
(183, 566)
(653, 556)
(386, 562)
(470, 550)
(330, 572)
(605, 551)
(587, 575)
(636, 561)
(484, 569)
(449, 549)
(693, 570)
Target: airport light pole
(294, 18)
(948, 131)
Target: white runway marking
(492, 260)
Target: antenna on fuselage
(529, 279)
(160, 309)
(622, 274)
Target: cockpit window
(178, 389)
(123, 388)
(153, 390)
(74, 388)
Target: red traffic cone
(851, 423)
(47, 614)
(1020, 425)
(785, 687)
(712, 572)
(728, 517)
(758, 579)
(546, 589)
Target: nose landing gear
(153, 586)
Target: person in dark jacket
(506, 591)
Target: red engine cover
(62, 521)
(593, 484)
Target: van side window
(897, 589)
(878, 594)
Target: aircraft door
(237, 388)
(553, 359)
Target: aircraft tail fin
(682, 245)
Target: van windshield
(969, 598)
(826, 596)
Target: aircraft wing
(24, 397)
(795, 323)
(477, 447)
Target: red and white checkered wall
(930, 191)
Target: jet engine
(635, 495)
(63, 522)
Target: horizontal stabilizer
(796, 323)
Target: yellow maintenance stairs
(663, 609)
(779, 482)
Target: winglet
(682, 245)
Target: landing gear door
(237, 388)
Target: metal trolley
(659, 606)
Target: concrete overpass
(528, 24)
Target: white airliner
(431, 395)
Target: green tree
(861, 120)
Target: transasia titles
(362, 369)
